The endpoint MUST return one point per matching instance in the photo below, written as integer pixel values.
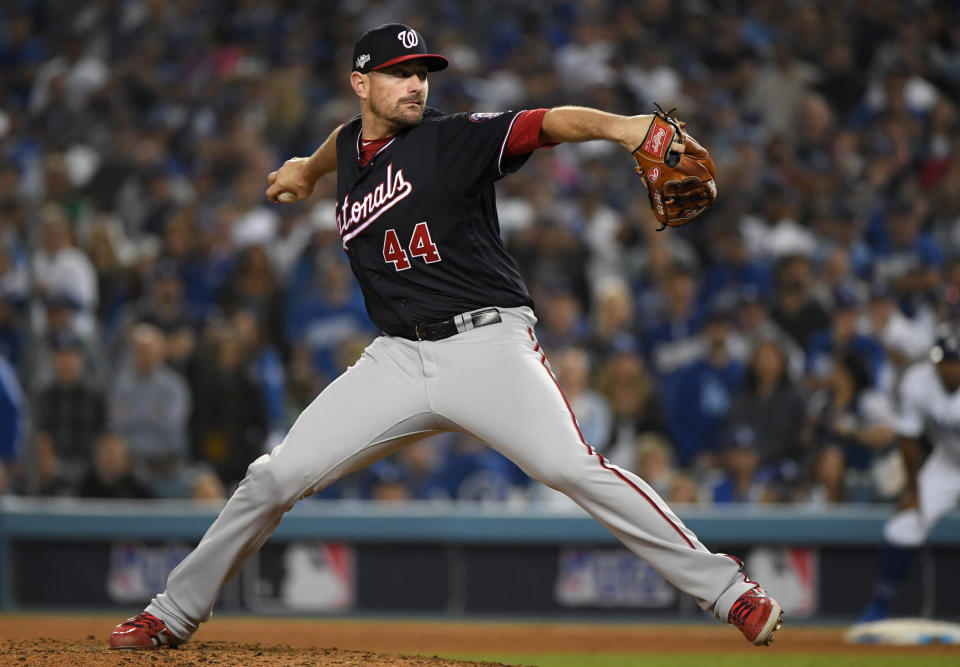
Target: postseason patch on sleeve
(481, 117)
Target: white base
(904, 632)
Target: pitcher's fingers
(273, 191)
(272, 177)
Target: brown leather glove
(681, 185)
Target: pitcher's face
(398, 93)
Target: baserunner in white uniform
(417, 217)
(929, 406)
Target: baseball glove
(680, 185)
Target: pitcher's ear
(360, 84)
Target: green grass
(766, 657)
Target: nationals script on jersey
(422, 232)
(927, 407)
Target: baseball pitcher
(417, 218)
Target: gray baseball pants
(491, 382)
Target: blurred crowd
(162, 325)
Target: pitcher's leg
(374, 408)
(503, 393)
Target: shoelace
(742, 609)
(148, 623)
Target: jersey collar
(382, 148)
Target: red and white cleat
(757, 616)
(143, 631)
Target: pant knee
(269, 484)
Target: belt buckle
(416, 332)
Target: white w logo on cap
(408, 38)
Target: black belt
(454, 325)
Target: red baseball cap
(390, 44)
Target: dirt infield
(41, 639)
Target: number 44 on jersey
(420, 246)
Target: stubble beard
(398, 116)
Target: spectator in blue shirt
(698, 396)
(470, 471)
(907, 258)
(206, 257)
(672, 341)
(386, 482)
(561, 320)
(22, 51)
(11, 412)
(733, 269)
(743, 481)
(11, 338)
(842, 335)
(324, 308)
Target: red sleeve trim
(525, 135)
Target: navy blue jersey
(419, 221)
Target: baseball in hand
(286, 197)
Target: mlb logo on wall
(138, 571)
(610, 578)
(791, 575)
(307, 576)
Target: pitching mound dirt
(91, 651)
(52, 639)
